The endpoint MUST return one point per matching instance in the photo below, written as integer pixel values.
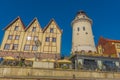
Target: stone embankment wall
(49, 74)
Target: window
(35, 38)
(86, 33)
(47, 39)
(15, 47)
(34, 48)
(27, 47)
(78, 29)
(10, 37)
(17, 37)
(29, 38)
(33, 29)
(53, 39)
(83, 28)
(51, 30)
(16, 28)
(7, 46)
(90, 64)
(118, 46)
(109, 65)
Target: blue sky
(104, 13)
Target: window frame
(17, 37)
(29, 38)
(51, 30)
(26, 47)
(34, 48)
(54, 39)
(6, 46)
(15, 47)
(35, 38)
(118, 46)
(10, 37)
(47, 39)
(33, 29)
(16, 28)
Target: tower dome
(82, 36)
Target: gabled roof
(14, 22)
(50, 23)
(108, 40)
(32, 23)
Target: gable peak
(16, 19)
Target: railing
(96, 68)
(81, 67)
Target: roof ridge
(50, 23)
(34, 19)
(18, 17)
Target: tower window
(7, 46)
(15, 46)
(86, 32)
(51, 30)
(10, 37)
(16, 28)
(47, 39)
(78, 29)
(83, 28)
(33, 29)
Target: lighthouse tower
(82, 36)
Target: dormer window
(16, 28)
(33, 29)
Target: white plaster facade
(82, 36)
